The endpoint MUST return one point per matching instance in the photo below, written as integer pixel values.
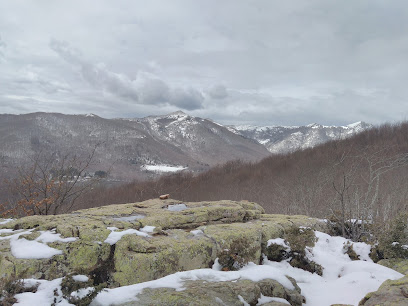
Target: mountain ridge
(176, 139)
(285, 139)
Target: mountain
(136, 147)
(284, 139)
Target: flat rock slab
(203, 293)
(176, 240)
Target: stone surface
(397, 264)
(390, 293)
(234, 232)
(202, 293)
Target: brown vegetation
(363, 177)
(50, 184)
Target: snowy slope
(175, 141)
(283, 139)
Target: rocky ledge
(79, 254)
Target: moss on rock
(390, 293)
(236, 232)
(397, 264)
(217, 293)
(139, 259)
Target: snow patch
(80, 278)
(116, 236)
(52, 236)
(34, 249)
(241, 299)
(340, 273)
(176, 281)
(147, 229)
(197, 232)
(83, 292)
(278, 241)
(4, 221)
(129, 218)
(28, 249)
(177, 207)
(163, 168)
(48, 293)
(266, 299)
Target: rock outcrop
(391, 293)
(119, 245)
(202, 293)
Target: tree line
(354, 181)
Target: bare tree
(357, 185)
(51, 184)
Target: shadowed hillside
(361, 177)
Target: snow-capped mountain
(283, 139)
(170, 142)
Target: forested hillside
(363, 177)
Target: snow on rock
(177, 207)
(80, 278)
(242, 300)
(115, 236)
(147, 229)
(52, 236)
(340, 273)
(129, 218)
(28, 249)
(33, 249)
(163, 168)
(343, 281)
(278, 241)
(83, 292)
(251, 272)
(4, 221)
(15, 233)
(47, 293)
(266, 299)
(197, 232)
(217, 266)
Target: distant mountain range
(284, 139)
(170, 142)
(139, 148)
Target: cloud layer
(253, 62)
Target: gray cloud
(279, 62)
(189, 98)
(218, 92)
(148, 90)
(96, 75)
(2, 47)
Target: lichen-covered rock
(236, 243)
(277, 252)
(297, 241)
(185, 236)
(393, 243)
(203, 293)
(390, 293)
(138, 259)
(397, 264)
(349, 250)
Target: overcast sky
(235, 61)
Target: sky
(261, 62)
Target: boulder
(119, 245)
(397, 264)
(390, 293)
(203, 293)
(185, 236)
